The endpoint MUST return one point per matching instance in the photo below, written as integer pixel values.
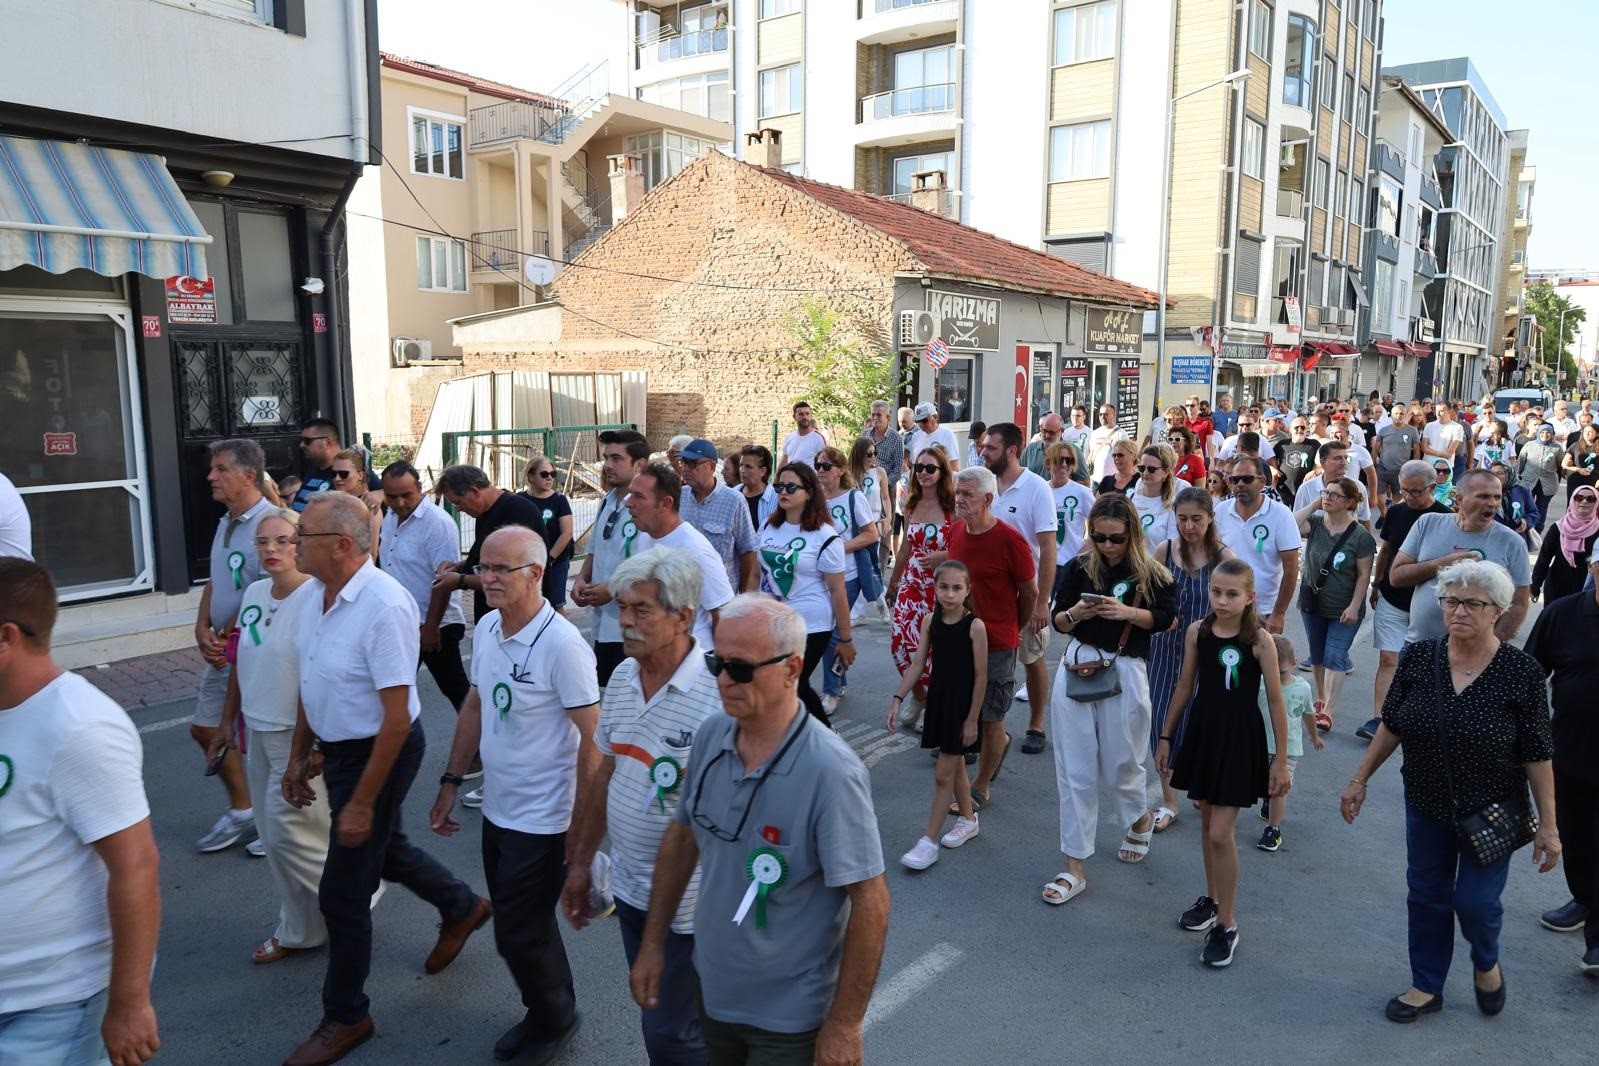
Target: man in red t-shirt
(1004, 590)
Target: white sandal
(1136, 844)
(1166, 813)
(1055, 894)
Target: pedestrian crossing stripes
(873, 744)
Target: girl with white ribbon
(1333, 584)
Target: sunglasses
(610, 522)
(784, 488)
(1150, 469)
(819, 467)
(1246, 425)
(1584, 497)
(1111, 538)
(925, 468)
(313, 440)
(738, 671)
(340, 475)
(1243, 479)
(545, 473)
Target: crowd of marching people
(675, 765)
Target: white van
(1536, 397)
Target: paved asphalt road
(977, 969)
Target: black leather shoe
(1400, 1011)
(1567, 919)
(1491, 1003)
(523, 1036)
(1590, 962)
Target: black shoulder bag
(1498, 829)
(1308, 593)
(1092, 680)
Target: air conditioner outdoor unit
(409, 349)
(917, 328)
(1347, 316)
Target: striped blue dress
(1166, 649)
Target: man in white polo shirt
(357, 646)
(1027, 505)
(1262, 532)
(80, 901)
(656, 703)
(416, 539)
(652, 503)
(531, 713)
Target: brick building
(698, 285)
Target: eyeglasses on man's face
(738, 671)
(497, 570)
(1243, 479)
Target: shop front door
(233, 388)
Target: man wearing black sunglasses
(623, 453)
(1262, 532)
(776, 811)
(319, 444)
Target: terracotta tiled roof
(948, 249)
(470, 81)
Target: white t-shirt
(1260, 541)
(1439, 437)
(1077, 437)
(1317, 482)
(1099, 442)
(792, 564)
(529, 683)
(921, 440)
(872, 490)
(1072, 501)
(269, 671)
(715, 592)
(1229, 447)
(1158, 518)
(1487, 454)
(1028, 507)
(16, 528)
(1359, 460)
(838, 509)
(802, 447)
(72, 775)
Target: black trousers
(815, 647)
(1577, 810)
(352, 874)
(526, 873)
(445, 664)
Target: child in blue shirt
(1299, 701)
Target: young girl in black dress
(1223, 765)
(957, 643)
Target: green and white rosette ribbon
(248, 618)
(1260, 532)
(1071, 508)
(767, 870)
(1148, 520)
(1230, 657)
(629, 531)
(1121, 589)
(236, 568)
(666, 774)
(1338, 560)
(9, 769)
(501, 695)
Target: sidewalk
(150, 679)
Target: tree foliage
(847, 360)
(1545, 304)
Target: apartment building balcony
(1431, 195)
(497, 124)
(945, 202)
(499, 253)
(896, 21)
(1290, 203)
(908, 115)
(670, 53)
(1426, 264)
(1389, 160)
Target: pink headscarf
(1574, 531)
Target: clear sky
(1538, 58)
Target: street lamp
(1165, 228)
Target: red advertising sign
(191, 301)
(152, 326)
(60, 444)
(1020, 416)
(319, 322)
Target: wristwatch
(451, 779)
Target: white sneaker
(923, 855)
(255, 849)
(473, 799)
(830, 704)
(959, 835)
(228, 831)
(1021, 694)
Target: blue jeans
(1329, 640)
(671, 1031)
(833, 684)
(67, 1034)
(1445, 885)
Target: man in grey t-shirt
(1436, 540)
(777, 812)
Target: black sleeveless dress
(949, 694)
(1223, 759)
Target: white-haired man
(656, 702)
(793, 906)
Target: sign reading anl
(1113, 332)
(967, 323)
(1127, 387)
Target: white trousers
(1100, 744)
(296, 839)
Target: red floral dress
(915, 597)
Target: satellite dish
(539, 270)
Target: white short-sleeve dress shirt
(366, 642)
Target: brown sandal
(269, 950)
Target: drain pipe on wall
(363, 68)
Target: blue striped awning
(67, 206)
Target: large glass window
(955, 390)
(1080, 151)
(664, 153)
(904, 167)
(700, 30)
(1085, 32)
(774, 8)
(440, 265)
(437, 147)
(1254, 148)
(268, 267)
(1390, 197)
(1319, 195)
(1329, 82)
(781, 91)
(1382, 298)
(1299, 66)
(704, 95)
(1260, 29)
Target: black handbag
(1309, 595)
(1497, 830)
(1096, 679)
